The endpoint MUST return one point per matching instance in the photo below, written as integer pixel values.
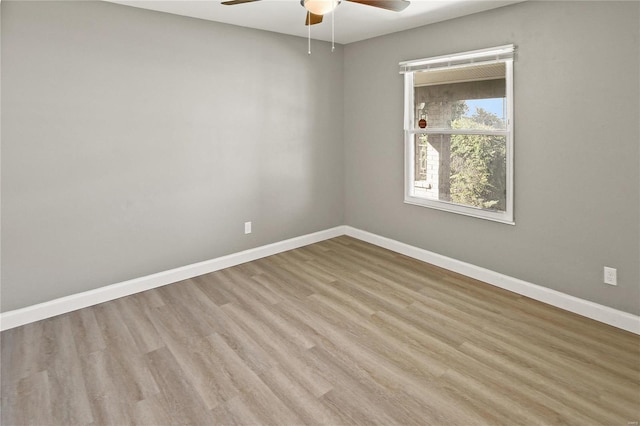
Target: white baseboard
(73, 302)
(616, 318)
(605, 314)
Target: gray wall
(577, 182)
(135, 141)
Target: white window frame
(500, 54)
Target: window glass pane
(449, 99)
(469, 170)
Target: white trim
(73, 302)
(495, 216)
(595, 311)
(472, 132)
(500, 54)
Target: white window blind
(474, 57)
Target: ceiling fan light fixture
(320, 7)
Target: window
(459, 133)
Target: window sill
(493, 216)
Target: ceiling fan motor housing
(320, 7)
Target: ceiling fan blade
(394, 5)
(315, 19)
(232, 2)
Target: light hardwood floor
(340, 332)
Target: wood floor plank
(208, 371)
(182, 403)
(369, 395)
(495, 351)
(31, 403)
(380, 371)
(260, 308)
(335, 333)
(150, 411)
(209, 285)
(570, 396)
(142, 330)
(65, 376)
(123, 356)
(307, 406)
(281, 352)
(242, 412)
(86, 332)
(110, 390)
(25, 351)
(149, 298)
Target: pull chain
(309, 32)
(333, 31)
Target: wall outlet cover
(610, 276)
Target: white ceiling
(353, 22)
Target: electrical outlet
(247, 227)
(610, 276)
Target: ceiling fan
(317, 8)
